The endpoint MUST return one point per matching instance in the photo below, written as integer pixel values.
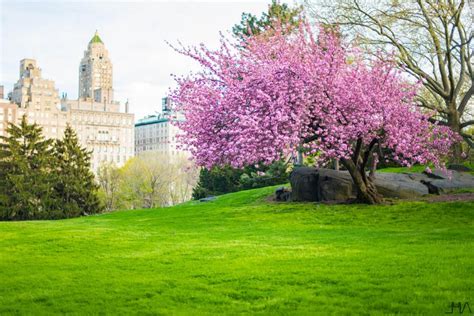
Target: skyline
(133, 32)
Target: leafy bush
(221, 180)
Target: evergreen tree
(252, 25)
(26, 190)
(216, 181)
(225, 179)
(75, 186)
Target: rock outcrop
(441, 182)
(311, 184)
(282, 194)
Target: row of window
(118, 159)
(45, 115)
(112, 150)
(40, 94)
(9, 112)
(37, 86)
(155, 148)
(157, 140)
(152, 134)
(154, 140)
(104, 119)
(155, 126)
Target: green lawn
(415, 169)
(242, 254)
(418, 169)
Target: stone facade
(108, 133)
(95, 73)
(97, 119)
(8, 113)
(157, 133)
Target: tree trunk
(366, 190)
(454, 123)
(300, 159)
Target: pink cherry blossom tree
(303, 90)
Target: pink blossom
(256, 104)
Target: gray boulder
(400, 185)
(440, 182)
(311, 184)
(335, 185)
(304, 184)
(282, 194)
(315, 185)
(208, 199)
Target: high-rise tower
(95, 73)
(100, 125)
(33, 91)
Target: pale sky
(56, 33)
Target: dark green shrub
(225, 179)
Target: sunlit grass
(418, 169)
(243, 254)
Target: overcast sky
(56, 33)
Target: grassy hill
(242, 253)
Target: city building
(100, 125)
(157, 132)
(7, 113)
(95, 73)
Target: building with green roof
(96, 38)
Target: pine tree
(25, 178)
(251, 25)
(75, 187)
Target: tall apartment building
(157, 133)
(95, 73)
(100, 125)
(7, 113)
